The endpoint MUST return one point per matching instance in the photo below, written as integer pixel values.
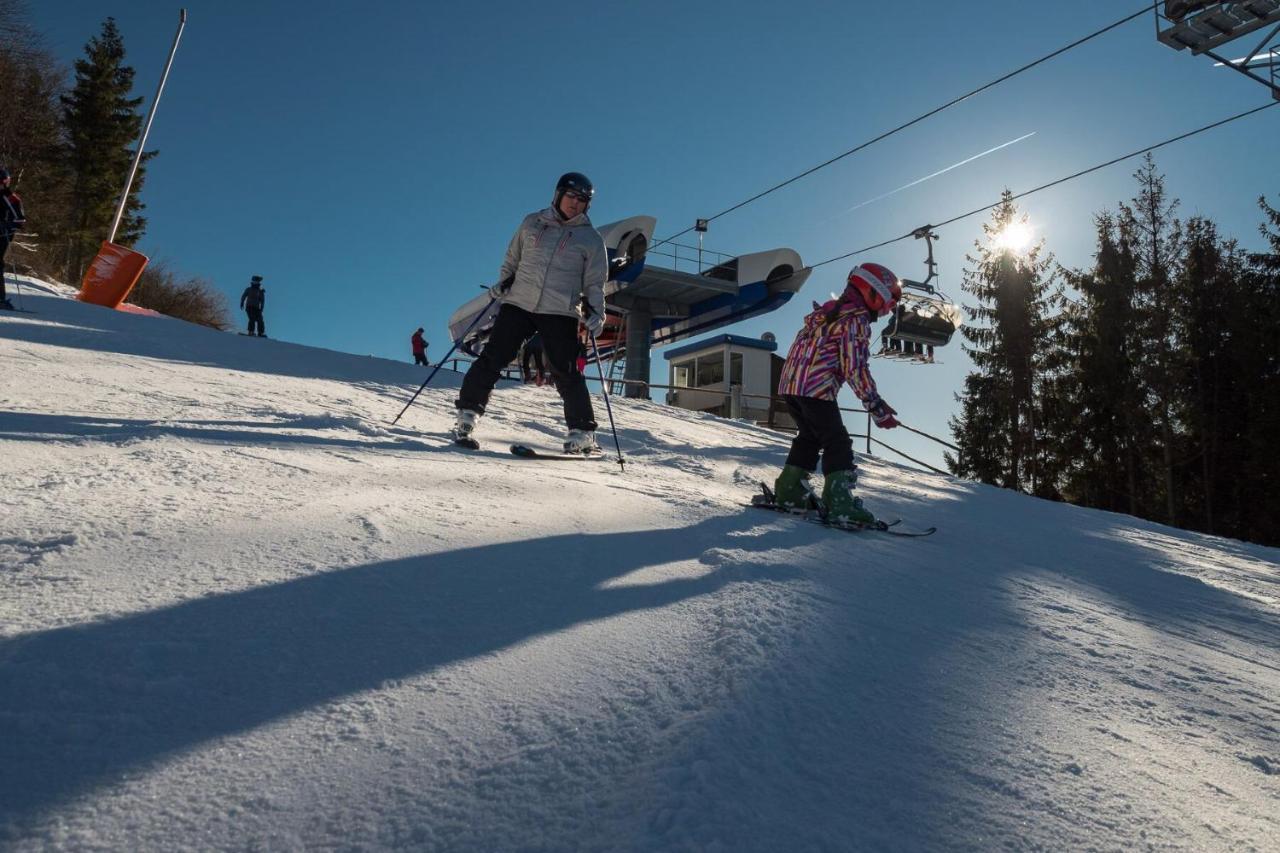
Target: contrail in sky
(940, 171)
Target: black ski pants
(255, 319)
(513, 327)
(822, 432)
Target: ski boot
(791, 491)
(842, 507)
(464, 426)
(581, 442)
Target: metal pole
(622, 465)
(146, 128)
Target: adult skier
(551, 279)
(253, 300)
(11, 220)
(832, 348)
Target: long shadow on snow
(38, 426)
(84, 706)
(898, 723)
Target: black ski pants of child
(513, 327)
(822, 432)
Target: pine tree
(101, 123)
(31, 131)
(1256, 336)
(1106, 465)
(1010, 332)
(1149, 227)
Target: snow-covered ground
(240, 611)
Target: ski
(526, 452)
(890, 527)
(814, 515)
(465, 441)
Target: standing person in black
(253, 300)
(11, 219)
(555, 263)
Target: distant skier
(419, 345)
(831, 349)
(533, 361)
(11, 220)
(253, 300)
(555, 259)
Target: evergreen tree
(101, 123)
(1210, 277)
(31, 131)
(1149, 227)
(1010, 332)
(1257, 473)
(1103, 389)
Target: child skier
(831, 349)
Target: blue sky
(371, 160)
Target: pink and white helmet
(877, 285)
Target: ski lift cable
(1026, 193)
(1145, 8)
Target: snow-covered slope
(238, 610)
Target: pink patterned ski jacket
(825, 355)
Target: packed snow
(240, 610)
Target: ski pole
(17, 285)
(440, 363)
(604, 389)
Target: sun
(1014, 237)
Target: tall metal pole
(146, 128)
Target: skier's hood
(549, 214)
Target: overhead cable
(1145, 8)
(1026, 193)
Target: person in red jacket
(832, 349)
(11, 219)
(419, 348)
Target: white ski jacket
(555, 264)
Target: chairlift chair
(925, 317)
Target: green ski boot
(842, 507)
(790, 490)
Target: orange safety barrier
(112, 275)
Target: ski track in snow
(241, 610)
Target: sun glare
(1014, 237)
